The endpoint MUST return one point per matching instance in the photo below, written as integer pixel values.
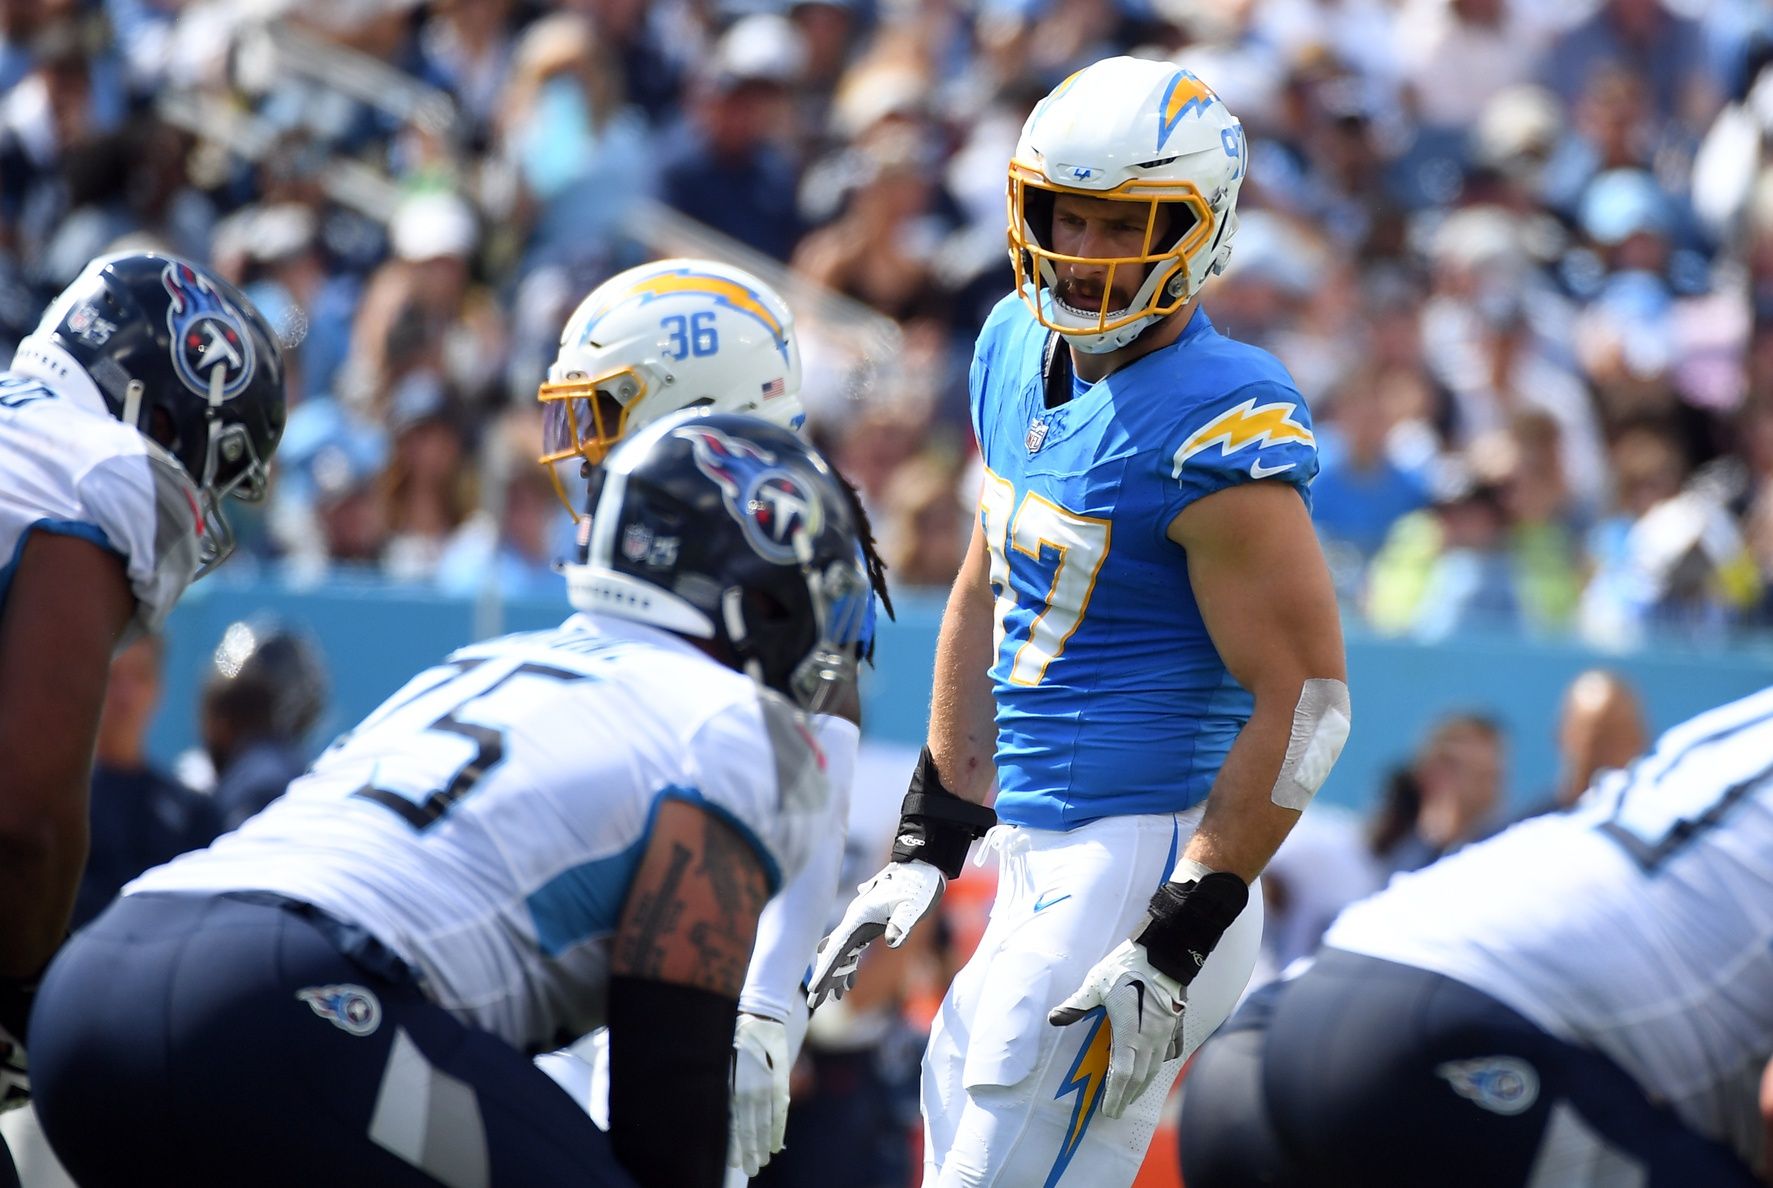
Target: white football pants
(1008, 1098)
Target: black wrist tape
(1187, 919)
(935, 825)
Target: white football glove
(760, 1092)
(1144, 1007)
(15, 1081)
(890, 903)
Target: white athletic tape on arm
(1321, 722)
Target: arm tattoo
(693, 922)
(641, 949)
(731, 869)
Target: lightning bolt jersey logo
(1248, 424)
(1088, 1073)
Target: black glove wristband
(1187, 919)
(935, 825)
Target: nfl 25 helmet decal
(729, 529)
(183, 357)
(661, 337)
(1149, 134)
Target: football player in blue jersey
(656, 338)
(1142, 648)
(150, 390)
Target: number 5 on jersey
(1066, 551)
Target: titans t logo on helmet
(770, 502)
(207, 334)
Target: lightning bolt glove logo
(1247, 425)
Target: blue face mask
(555, 146)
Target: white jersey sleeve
(1639, 924)
(487, 821)
(794, 919)
(68, 470)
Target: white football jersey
(67, 466)
(487, 820)
(1639, 924)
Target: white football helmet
(1137, 131)
(665, 336)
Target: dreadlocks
(870, 555)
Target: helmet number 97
(1232, 139)
(692, 335)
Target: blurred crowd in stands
(1519, 256)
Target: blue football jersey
(1111, 698)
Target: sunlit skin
(1103, 228)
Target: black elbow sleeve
(670, 1071)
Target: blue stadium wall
(375, 637)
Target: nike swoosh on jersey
(1043, 903)
(1259, 471)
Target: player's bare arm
(676, 968)
(692, 910)
(67, 607)
(945, 809)
(1266, 597)
(963, 730)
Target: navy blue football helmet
(183, 356)
(727, 528)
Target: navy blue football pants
(234, 1040)
(1366, 1072)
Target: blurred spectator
(1454, 55)
(326, 508)
(654, 46)
(1362, 489)
(1497, 552)
(581, 155)
(423, 320)
(510, 546)
(1462, 214)
(1447, 796)
(465, 48)
(924, 526)
(429, 489)
(141, 815)
(725, 165)
(1600, 728)
(1650, 40)
(881, 249)
(274, 253)
(263, 696)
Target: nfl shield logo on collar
(1037, 435)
